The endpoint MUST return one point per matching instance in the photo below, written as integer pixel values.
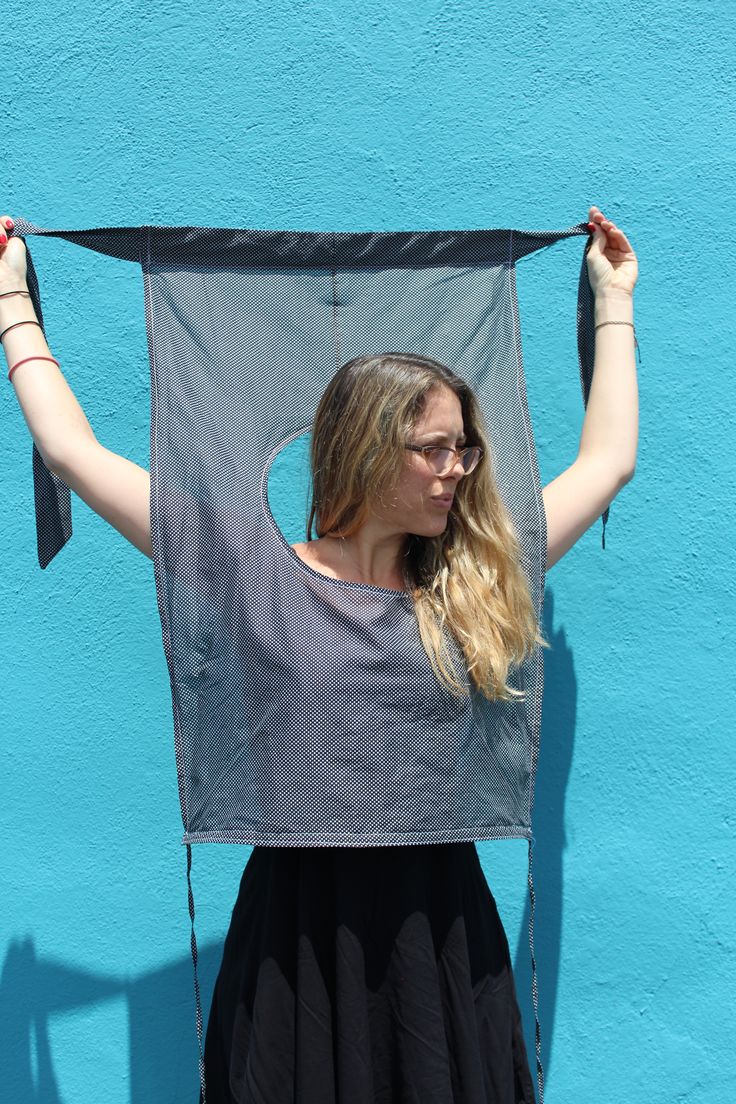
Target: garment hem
(355, 839)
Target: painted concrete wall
(383, 116)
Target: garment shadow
(553, 771)
(161, 1022)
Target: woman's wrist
(614, 292)
(15, 308)
(10, 284)
(614, 305)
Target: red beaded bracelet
(32, 358)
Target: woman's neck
(372, 555)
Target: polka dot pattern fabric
(306, 711)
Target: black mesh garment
(306, 711)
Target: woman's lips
(443, 500)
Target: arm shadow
(162, 1034)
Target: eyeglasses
(442, 460)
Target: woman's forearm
(611, 423)
(52, 413)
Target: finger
(6, 224)
(598, 242)
(617, 237)
(596, 218)
(612, 230)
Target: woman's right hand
(12, 257)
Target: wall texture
(384, 116)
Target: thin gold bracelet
(620, 322)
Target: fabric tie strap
(266, 247)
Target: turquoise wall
(384, 116)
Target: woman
(378, 973)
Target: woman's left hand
(612, 262)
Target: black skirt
(366, 975)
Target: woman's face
(420, 500)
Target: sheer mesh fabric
(305, 708)
(306, 711)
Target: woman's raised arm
(116, 488)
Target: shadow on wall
(553, 771)
(162, 1035)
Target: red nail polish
(3, 239)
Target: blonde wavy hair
(469, 579)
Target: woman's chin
(432, 528)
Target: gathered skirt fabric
(366, 975)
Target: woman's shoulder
(307, 552)
(319, 554)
